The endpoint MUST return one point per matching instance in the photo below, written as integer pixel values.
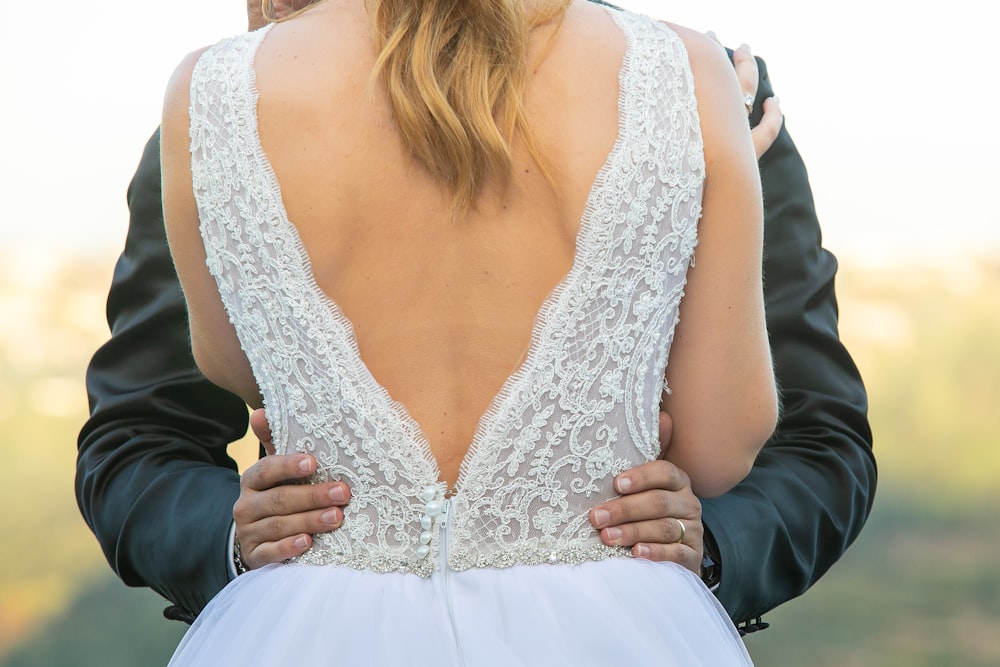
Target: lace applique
(582, 407)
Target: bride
(445, 244)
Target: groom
(156, 486)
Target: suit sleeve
(153, 478)
(811, 489)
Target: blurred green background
(920, 587)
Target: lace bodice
(581, 408)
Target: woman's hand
(255, 19)
(767, 129)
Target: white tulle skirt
(618, 611)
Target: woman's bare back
(442, 308)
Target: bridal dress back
(504, 569)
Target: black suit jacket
(157, 488)
(812, 486)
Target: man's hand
(656, 499)
(275, 520)
(278, 8)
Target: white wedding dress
(507, 570)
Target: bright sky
(891, 103)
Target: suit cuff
(711, 562)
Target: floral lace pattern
(581, 408)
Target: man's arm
(811, 489)
(153, 479)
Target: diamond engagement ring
(748, 103)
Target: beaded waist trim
(386, 562)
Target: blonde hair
(454, 72)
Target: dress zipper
(445, 573)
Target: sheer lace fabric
(582, 407)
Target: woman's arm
(811, 488)
(214, 342)
(723, 400)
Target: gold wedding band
(683, 531)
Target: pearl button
(428, 493)
(425, 537)
(422, 551)
(426, 521)
(434, 507)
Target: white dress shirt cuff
(231, 552)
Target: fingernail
(337, 494)
(601, 517)
(331, 517)
(301, 541)
(641, 551)
(623, 484)
(711, 33)
(745, 47)
(613, 534)
(305, 465)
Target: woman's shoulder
(716, 87)
(708, 59)
(241, 47)
(176, 99)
